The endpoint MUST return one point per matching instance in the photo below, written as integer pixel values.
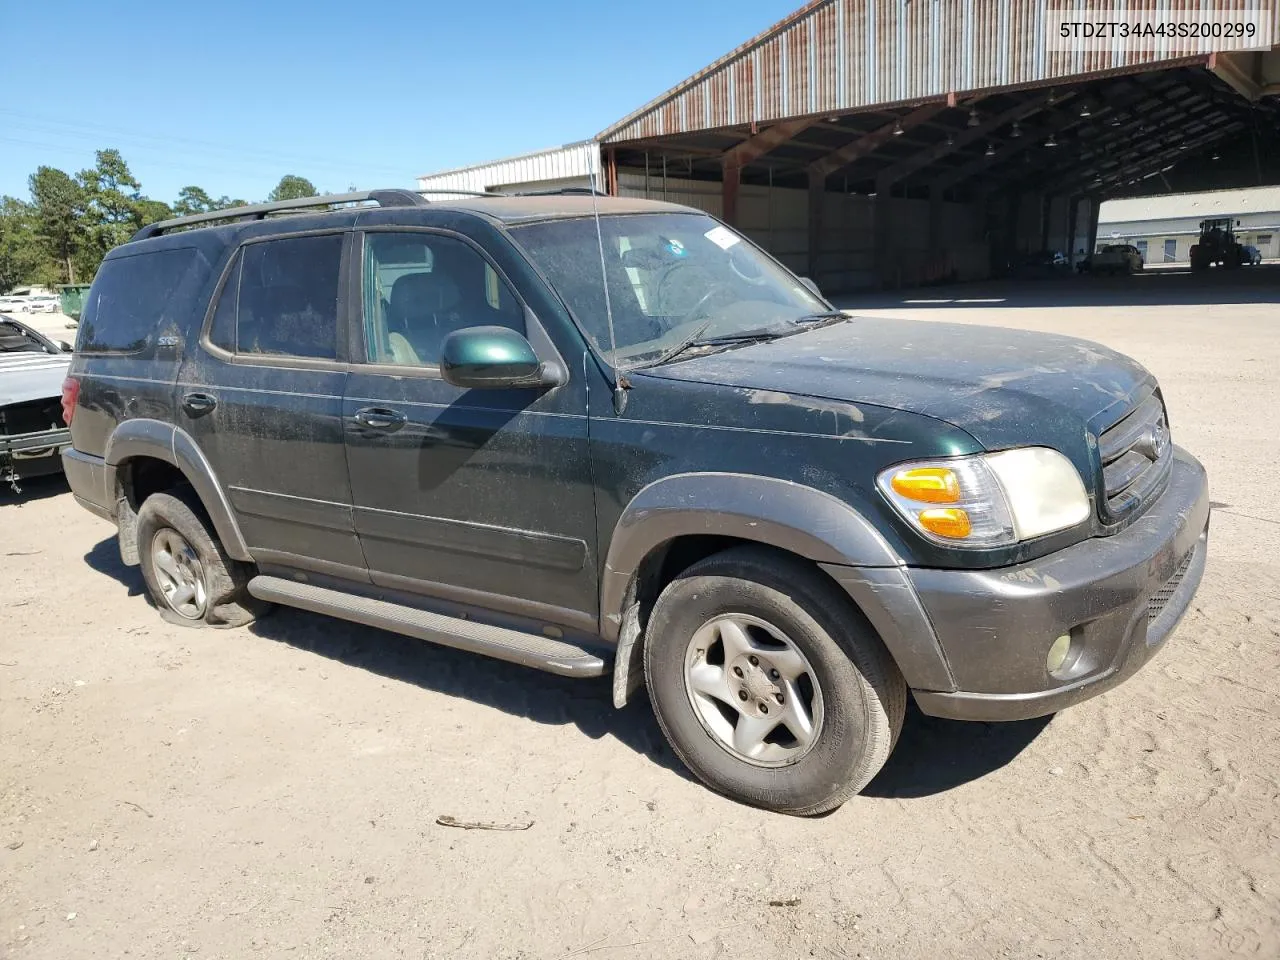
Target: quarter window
(419, 288)
(281, 299)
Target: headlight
(989, 500)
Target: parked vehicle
(42, 304)
(1217, 245)
(1116, 258)
(32, 430)
(15, 305)
(1042, 264)
(1250, 255)
(635, 445)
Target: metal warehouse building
(897, 142)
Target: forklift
(1218, 245)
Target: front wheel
(769, 684)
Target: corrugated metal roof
(844, 55)
(572, 161)
(1175, 206)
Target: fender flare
(163, 441)
(796, 518)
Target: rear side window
(136, 299)
(281, 299)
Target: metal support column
(729, 194)
(817, 196)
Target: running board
(528, 649)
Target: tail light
(70, 397)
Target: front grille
(1160, 599)
(1136, 456)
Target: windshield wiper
(696, 339)
(822, 319)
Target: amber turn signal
(951, 523)
(927, 485)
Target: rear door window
(280, 299)
(139, 298)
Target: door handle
(380, 418)
(198, 404)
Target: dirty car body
(996, 520)
(32, 431)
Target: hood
(1004, 387)
(31, 376)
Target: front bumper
(32, 454)
(1118, 597)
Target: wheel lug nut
(778, 697)
(742, 694)
(774, 674)
(754, 661)
(737, 671)
(764, 708)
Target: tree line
(61, 233)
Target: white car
(43, 303)
(1117, 258)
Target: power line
(219, 167)
(88, 131)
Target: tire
(179, 551)
(852, 691)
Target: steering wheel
(716, 287)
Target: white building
(573, 165)
(1165, 227)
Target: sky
(230, 96)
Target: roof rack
(562, 191)
(259, 211)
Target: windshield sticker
(722, 237)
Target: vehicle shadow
(32, 489)
(520, 691)
(933, 756)
(105, 559)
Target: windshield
(671, 276)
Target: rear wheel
(768, 683)
(189, 576)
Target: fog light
(1058, 653)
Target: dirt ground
(273, 791)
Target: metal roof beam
(886, 178)
(1157, 164)
(824, 167)
(1114, 151)
(756, 147)
(1165, 153)
(1028, 140)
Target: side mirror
(491, 358)
(65, 347)
(811, 286)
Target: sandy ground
(272, 792)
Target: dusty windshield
(672, 277)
